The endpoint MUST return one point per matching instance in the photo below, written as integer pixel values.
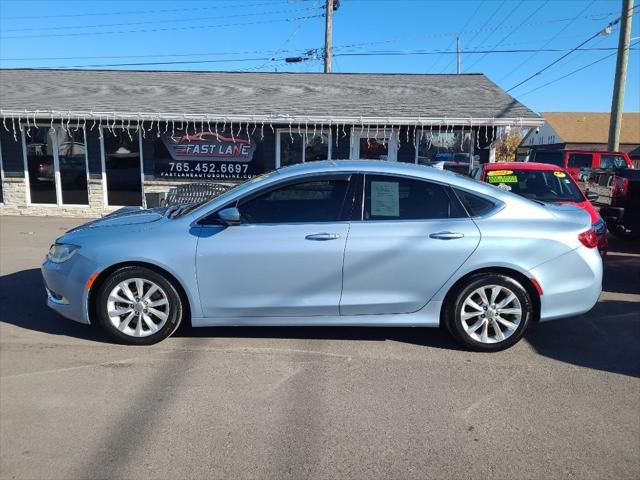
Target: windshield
(540, 185)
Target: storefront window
(122, 167)
(72, 163)
(370, 144)
(449, 147)
(291, 151)
(40, 148)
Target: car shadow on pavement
(24, 304)
(607, 338)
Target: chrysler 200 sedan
(365, 243)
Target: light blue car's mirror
(229, 216)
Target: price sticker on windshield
(498, 173)
(503, 179)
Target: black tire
(452, 314)
(174, 306)
(619, 231)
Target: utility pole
(458, 54)
(328, 32)
(617, 101)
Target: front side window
(612, 161)
(397, 198)
(300, 148)
(318, 200)
(580, 160)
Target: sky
(507, 40)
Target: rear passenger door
(409, 237)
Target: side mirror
(229, 216)
(591, 196)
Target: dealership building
(85, 142)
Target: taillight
(620, 187)
(589, 238)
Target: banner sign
(206, 155)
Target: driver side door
(285, 258)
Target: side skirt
(428, 316)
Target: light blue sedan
(365, 243)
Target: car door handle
(446, 235)
(322, 237)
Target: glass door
(122, 167)
(56, 165)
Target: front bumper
(571, 283)
(65, 285)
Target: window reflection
(374, 148)
(73, 166)
(122, 167)
(290, 149)
(317, 147)
(40, 169)
(449, 147)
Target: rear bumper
(571, 283)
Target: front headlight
(60, 252)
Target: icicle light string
(261, 131)
(247, 131)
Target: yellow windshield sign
(560, 174)
(503, 179)
(493, 173)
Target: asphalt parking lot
(313, 402)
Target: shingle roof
(592, 127)
(237, 93)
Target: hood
(124, 216)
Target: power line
(141, 12)
(559, 59)
(576, 70)
(529, 17)
(295, 30)
(526, 60)
(313, 58)
(166, 29)
(150, 22)
(471, 17)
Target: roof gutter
(114, 116)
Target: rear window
(554, 158)
(541, 185)
(475, 205)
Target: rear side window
(612, 161)
(311, 201)
(398, 198)
(580, 160)
(554, 158)
(475, 205)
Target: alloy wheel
(138, 307)
(491, 314)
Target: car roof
(521, 166)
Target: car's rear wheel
(489, 312)
(139, 306)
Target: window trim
(447, 187)
(288, 131)
(56, 167)
(1, 177)
(143, 202)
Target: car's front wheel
(489, 312)
(139, 306)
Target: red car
(543, 182)
(575, 161)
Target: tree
(506, 148)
